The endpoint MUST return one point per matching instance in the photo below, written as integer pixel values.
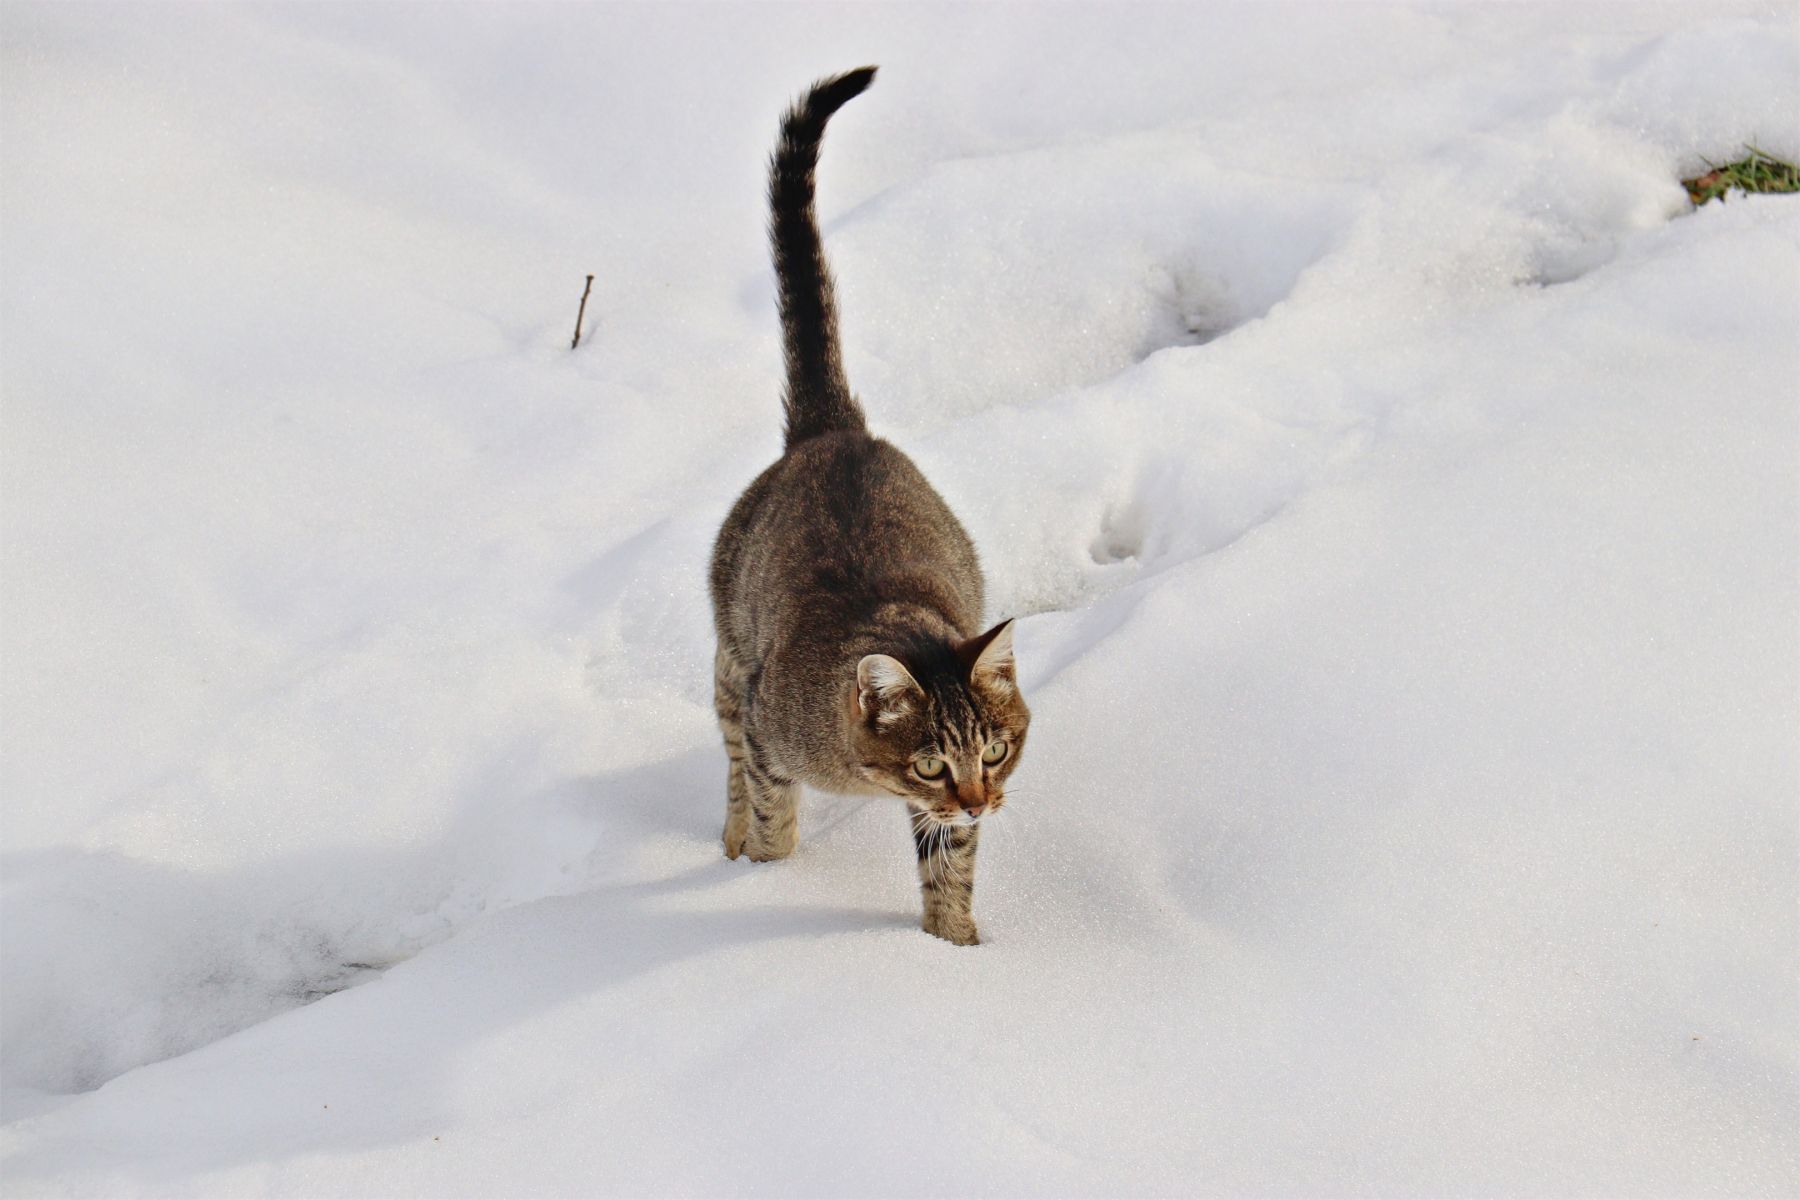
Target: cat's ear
(990, 656)
(884, 688)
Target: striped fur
(818, 398)
(847, 599)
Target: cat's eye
(995, 752)
(929, 768)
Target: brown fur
(847, 597)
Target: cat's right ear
(884, 688)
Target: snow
(1395, 479)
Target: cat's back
(842, 523)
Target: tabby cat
(847, 599)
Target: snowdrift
(1396, 480)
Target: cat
(847, 599)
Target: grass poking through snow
(1756, 172)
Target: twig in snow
(580, 312)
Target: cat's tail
(818, 398)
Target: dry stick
(581, 311)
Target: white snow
(1397, 482)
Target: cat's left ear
(990, 656)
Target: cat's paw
(737, 831)
(958, 930)
(770, 847)
(756, 841)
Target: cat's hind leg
(728, 703)
(759, 804)
(773, 829)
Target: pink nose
(975, 810)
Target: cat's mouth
(959, 818)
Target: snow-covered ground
(1398, 482)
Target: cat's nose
(975, 810)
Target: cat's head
(941, 725)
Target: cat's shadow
(430, 1015)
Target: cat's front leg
(947, 879)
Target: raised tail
(818, 398)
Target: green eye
(929, 768)
(994, 753)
